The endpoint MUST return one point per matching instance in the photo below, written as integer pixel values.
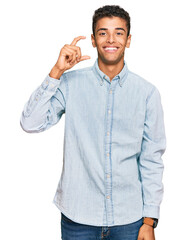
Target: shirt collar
(102, 76)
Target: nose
(110, 38)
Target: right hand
(70, 55)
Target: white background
(32, 34)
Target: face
(111, 39)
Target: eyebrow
(107, 29)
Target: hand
(70, 55)
(146, 232)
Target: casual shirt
(113, 143)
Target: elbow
(26, 128)
(27, 124)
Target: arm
(47, 103)
(150, 162)
(45, 106)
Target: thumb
(85, 57)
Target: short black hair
(110, 11)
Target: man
(111, 184)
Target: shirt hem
(93, 224)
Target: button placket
(108, 159)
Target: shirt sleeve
(45, 106)
(150, 160)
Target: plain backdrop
(32, 34)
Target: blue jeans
(74, 231)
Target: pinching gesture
(69, 56)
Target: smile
(110, 49)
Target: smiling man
(111, 184)
(111, 37)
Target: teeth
(110, 48)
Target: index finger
(74, 42)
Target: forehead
(111, 23)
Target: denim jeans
(74, 231)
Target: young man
(111, 184)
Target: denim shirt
(113, 143)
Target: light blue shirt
(113, 144)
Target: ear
(93, 41)
(128, 41)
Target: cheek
(122, 42)
(99, 41)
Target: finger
(68, 48)
(67, 56)
(68, 53)
(74, 58)
(74, 42)
(85, 57)
(77, 49)
(78, 54)
(74, 50)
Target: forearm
(152, 185)
(39, 111)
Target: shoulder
(77, 72)
(76, 79)
(141, 83)
(135, 78)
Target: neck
(111, 70)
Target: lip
(111, 50)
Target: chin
(111, 60)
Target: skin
(109, 63)
(69, 56)
(146, 232)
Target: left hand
(146, 232)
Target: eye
(102, 33)
(119, 33)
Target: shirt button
(110, 91)
(46, 81)
(108, 154)
(109, 111)
(108, 133)
(108, 197)
(108, 175)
